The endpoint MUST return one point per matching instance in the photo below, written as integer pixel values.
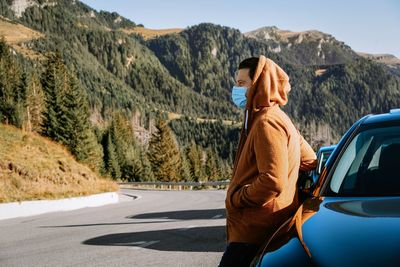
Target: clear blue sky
(371, 26)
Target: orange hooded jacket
(271, 152)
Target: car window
(323, 158)
(369, 164)
(374, 164)
(375, 160)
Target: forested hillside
(105, 91)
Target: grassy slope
(16, 35)
(150, 33)
(32, 167)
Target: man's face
(243, 78)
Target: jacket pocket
(228, 200)
(260, 215)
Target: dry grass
(16, 35)
(33, 167)
(311, 33)
(151, 33)
(382, 58)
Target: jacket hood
(270, 86)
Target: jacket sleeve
(270, 145)
(308, 159)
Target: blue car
(351, 215)
(322, 156)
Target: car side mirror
(305, 183)
(305, 180)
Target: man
(271, 152)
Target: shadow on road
(184, 215)
(99, 224)
(160, 217)
(196, 239)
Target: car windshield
(370, 165)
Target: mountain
(115, 65)
(205, 57)
(392, 62)
(387, 59)
(188, 73)
(306, 48)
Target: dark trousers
(238, 255)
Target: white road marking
(142, 244)
(188, 227)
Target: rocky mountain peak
(19, 6)
(272, 32)
(310, 47)
(383, 58)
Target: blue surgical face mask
(239, 96)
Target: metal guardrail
(175, 185)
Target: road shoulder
(36, 207)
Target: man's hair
(251, 64)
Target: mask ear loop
(246, 119)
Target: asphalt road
(160, 228)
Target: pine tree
(66, 116)
(133, 165)
(185, 168)
(55, 85)
(79, 135)
(34, 103)
(145, 174)
(126, 152)
(122, 135)
(110, 157)
(219, 168)
(211, 167)
(193, 155)
(125, 146)
(131, 168)
(11, 101)
(226, 170)
(164, 154)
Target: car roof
(327, 148)
(392, 116)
